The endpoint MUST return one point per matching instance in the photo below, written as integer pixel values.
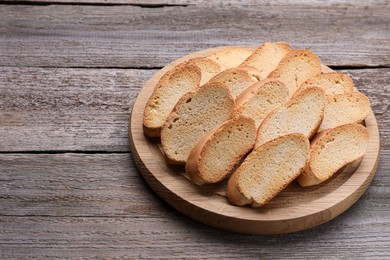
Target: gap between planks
(45, 3)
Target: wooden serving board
(294, 209)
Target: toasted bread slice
(232, 57)
(333, 149)
(208, 68)
(171, 87)
(297, 67)
(260, 99)
(302, 114)
(267, 57)
(194, 115)
(268, 170)
(237, 79)
(220, 150)
(332, 83)
(345, 109)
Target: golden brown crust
(193, 161)
(252, 71)
(234, 194)
(249, 92)
(309, 65)
(237, 79)
(344, 109)
(263, 130)
(208, 68)
(160, 103)
(312, 176)
(260, 99)
(203, 67)
(198, 117)
(332, 83)
(232, 57)
(238, 191)
(196, 169)
(152, 131)
(300, 53)
(318, 123)
(307, 177)
(267, 56)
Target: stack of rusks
(260, 118)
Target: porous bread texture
(332, 83)
(260, 99)
(332, 150)
(267, 170)
(195, 114)
(237, 79)
(345, 109)
(297, 67)
(232, 57)
(302, 114)
(267, 57)
(208, 68)
(171, 87)
(219, 151)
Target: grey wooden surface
(126, 36)
(69, 74)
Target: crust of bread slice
(220, 150)
(171, 87)
(208, 68)
(345, 109)
(260, 99)
(232, 57)
(267, 57)
(267, 170)
(297, 67)
(194, 115)
(237, 79)
(333, 149)
(332, 83)
(302, 114)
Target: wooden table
(69, 74)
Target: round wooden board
(294, 209)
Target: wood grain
(109, 185)
(68, 109)
(97, 205)
(167, 3)
(88, 109)
(75, 185)
(177, 238)
(82, 205)
(136, 37)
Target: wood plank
(164, 3)
(75, 185)
(84, 185)
(136, 37)
(67, 109)
(77, 205)
(45, 109)
(353, 237)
